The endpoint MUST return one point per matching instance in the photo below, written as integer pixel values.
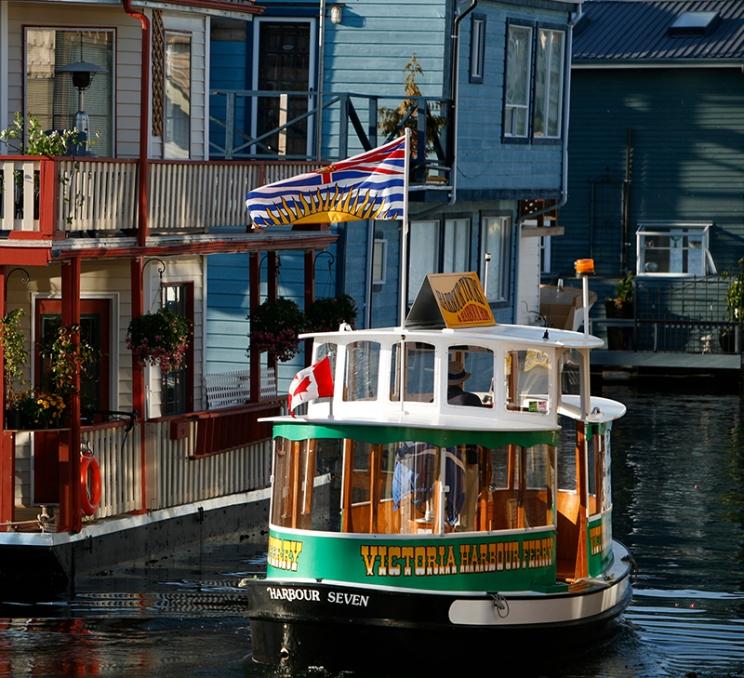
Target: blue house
(655, 173)
(487, 97)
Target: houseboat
(452, 494)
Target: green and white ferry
(452, 494)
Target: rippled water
(679, 505)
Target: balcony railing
(190, 458)
(98, 197)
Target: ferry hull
(338, 626)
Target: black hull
(396, 629)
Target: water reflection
(678, 474)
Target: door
(94, 387)
(283, 58)
(95, 330)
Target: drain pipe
(137, 263)
(573, 20)
(142, 182)
(454, 73)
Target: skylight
(694, 23)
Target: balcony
(66, 197)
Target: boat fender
(90, 495)
(500, 605)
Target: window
(379, 261)
(533, 89)
(518, 67)
(178, 385)
(362, 364)
(177, 133)
(437, 247)
(495, 239)
(419, 372)
(51, 96)
(674, 249)
(548, 84)
(477, 47)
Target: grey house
(656, 172)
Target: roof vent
(694, 23)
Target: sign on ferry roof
(450, 300)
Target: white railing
(18, 195)
(117, 453)
(196, 196)
(176, 476)
(97, 195)
(228, 389)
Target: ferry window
(571, 372)
(526, 381)
(362, 363)
(330, 350)
(414, 487)
(598, 455)
(283, 495)
(516, 488)
(469, 376)
(306, 492)
(567, 455)
(419, 372)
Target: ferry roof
(528, 335)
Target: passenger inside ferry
(456, 378)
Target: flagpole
(404, 232)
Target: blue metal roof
(641, 31)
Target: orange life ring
(90, 496)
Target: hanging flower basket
(159, 338)
(275, 326)
(326, 314)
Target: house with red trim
(122, 225)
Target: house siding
(368, 51)
(484, 160)
(686, 127)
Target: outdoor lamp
(337, 13)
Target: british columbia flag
(367, 186)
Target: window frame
(530, 136)
(509, 136)
(379, 261)
(668, 229)
(168, 143)
(438, 242)
(111, 74)
(546, 138)
(505, 278)
(187, 289)
(477, 48)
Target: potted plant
(38, 409)
(394, 120)
(621, 305)
(275, 326)
(159, 338)
(64, 355)
(326, 314)
(14, 351)
(734, 308)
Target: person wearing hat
(456, 377)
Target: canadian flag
(311, 383)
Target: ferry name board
(460, 299)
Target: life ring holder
(90, 494)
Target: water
(679, 505)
